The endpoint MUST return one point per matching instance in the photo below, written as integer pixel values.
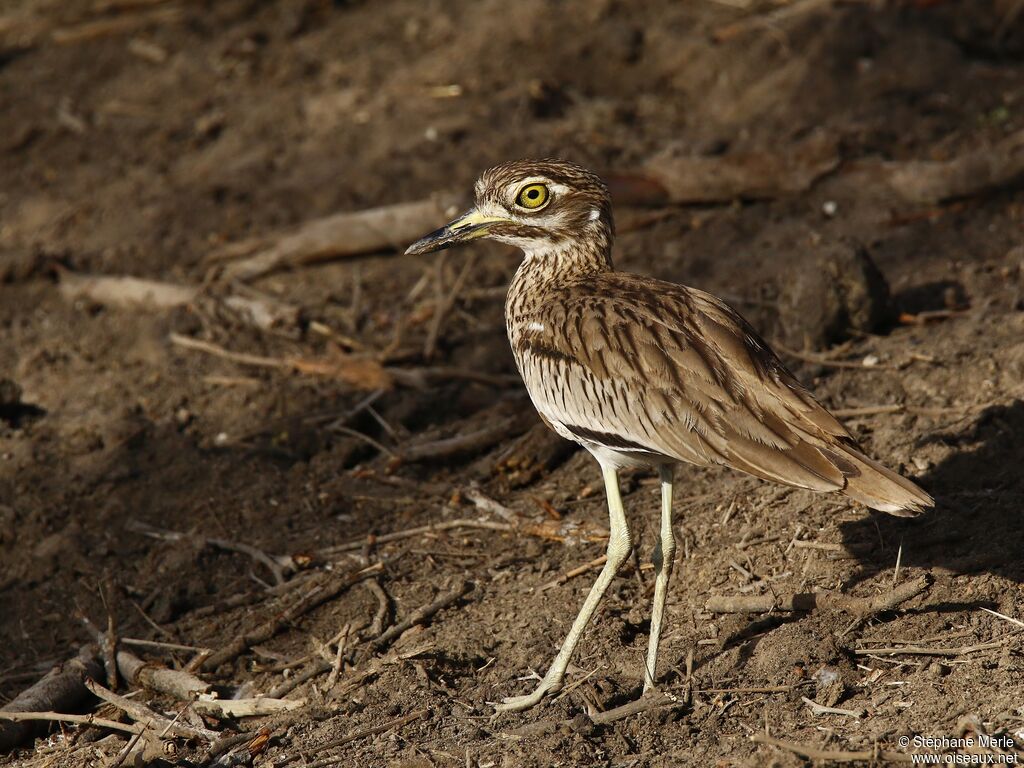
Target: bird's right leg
(620, 544)
(664, 554)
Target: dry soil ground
(140, 137)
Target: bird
(645, 373)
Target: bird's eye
(532, 196)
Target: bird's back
(643, 371)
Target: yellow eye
(532, 196)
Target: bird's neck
(547, 269)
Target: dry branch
(333, 237)
(809, 601)
(551, 530)
(422, 614)
(981, 170)
(688, 179)
(360, 372)
(126, 291)
(116, 25)
(142, 714)
(362, 733)
(99, 722)
(251, 707)
(327, 590)
(921, 650)
(137, 293)
(278, 565)
(836, 756)
(646, 703)
(174, 682)
(62, 688)
(821, 709)
(316, 668)
(477, 440)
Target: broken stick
(137, 293)
(338, 236)
(810, 601)
(420, 615)
(140, 713)
(62, 688)
(688, 179)
(328, 589)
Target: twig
(108, 642)
(251, 707)
(383, 614)
(140, 713)
(647, 702)
(160, 645)
(129, 747)
(362, 733)
(1004, 617)
(487, 504)
(551, 530)
(686, 179)
(979, 170)
(472, 441)
(324, 592)
(825, 546)
(809, 601)
(128, 292)
(811, 357)
(421, 378)
(920, 650)
(118, 25)
(867, 410)
(89, 720)
(340, 235)
(178, 683)
(444, 304)
(278, 565)
(597, 562)
(756, 689)
(360, 372)
(819, 709)
(342, 640)
(316, 668)
(448, 525)
(420, 615)
(774, 17)
(839, 756)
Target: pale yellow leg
(664, 553)
(619, 546)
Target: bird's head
(540, 206)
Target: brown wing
(675, 372)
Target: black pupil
(533, 194)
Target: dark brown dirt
(117, 159)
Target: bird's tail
(879, 488)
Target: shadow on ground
(977, 524)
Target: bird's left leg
(620, 543)
(664, 553)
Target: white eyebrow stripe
(594, 214)
(535, 326)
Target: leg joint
(619, 549)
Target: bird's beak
(469, 226)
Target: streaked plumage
(647, 373)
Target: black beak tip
(435, 241)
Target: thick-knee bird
(647, 373)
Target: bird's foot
(520, 703)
